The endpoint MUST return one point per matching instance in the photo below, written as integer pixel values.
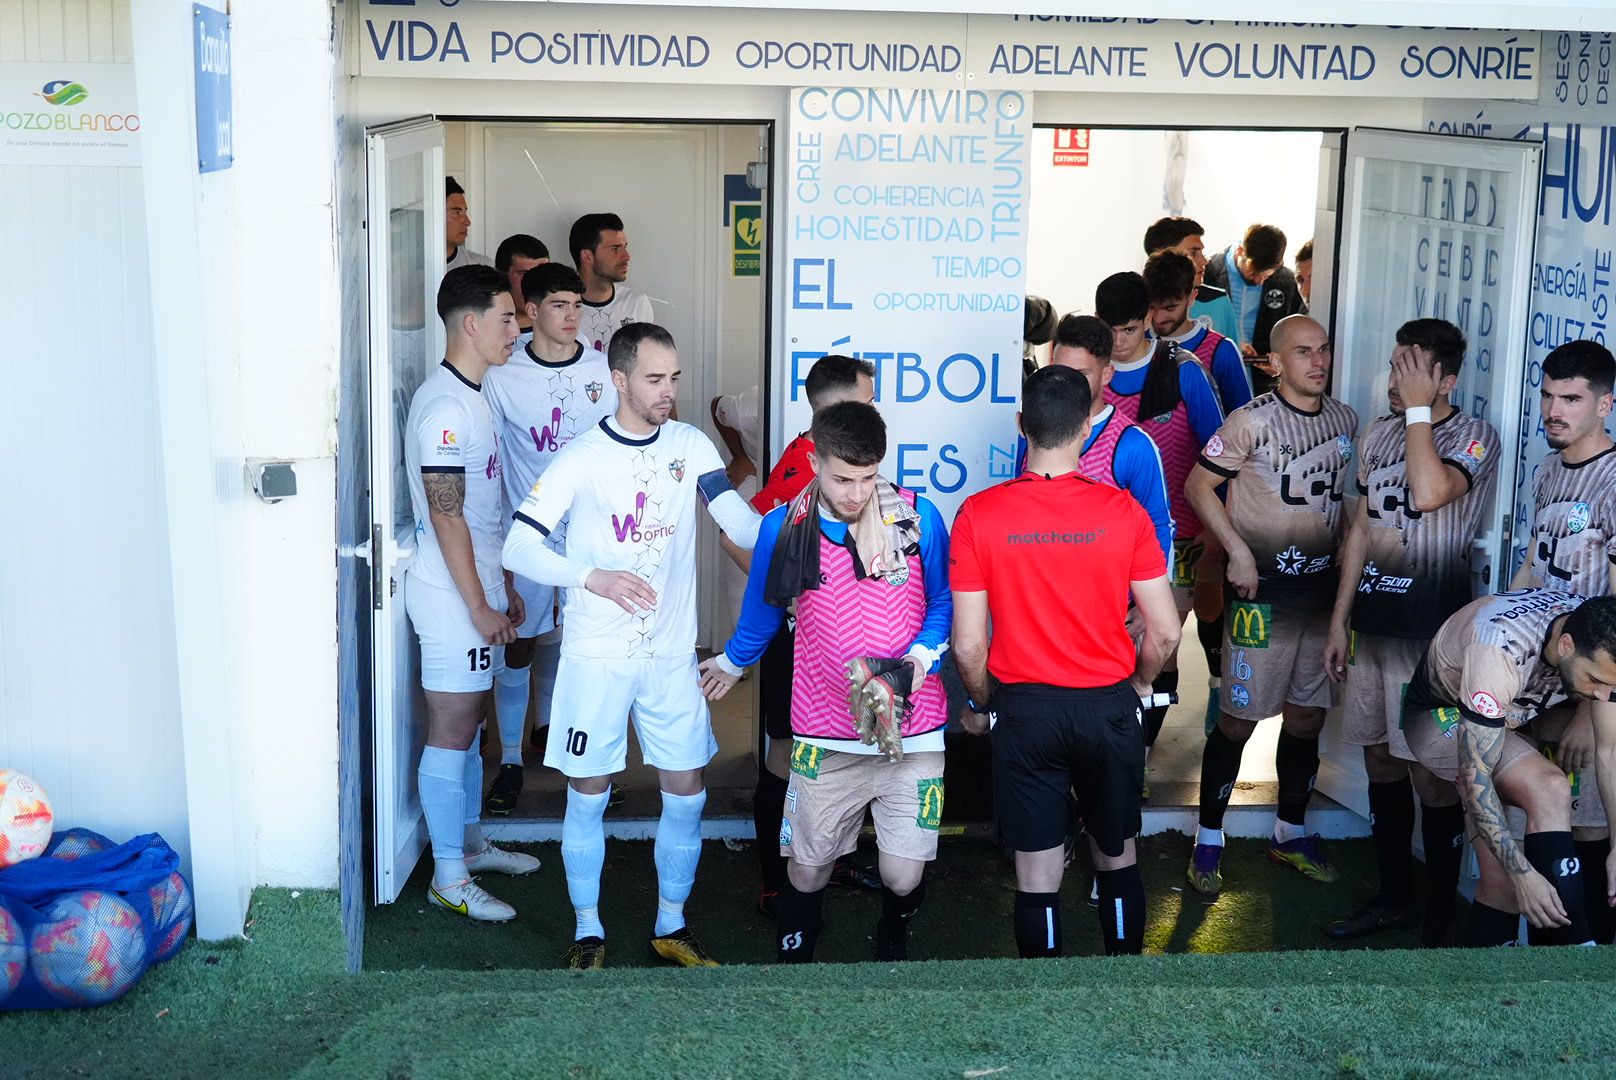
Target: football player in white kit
(454, 590)
(628, 489)
(554, 388)
(600, 252)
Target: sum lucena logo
(633, 526)
(63, 92)
(547, 439)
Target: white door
(405, 224)
(1436, 226)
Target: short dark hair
(451, 186)
(547, 278)
(1587, 359)
(1054, 406)
(470, 288)
(1169, 232)
(624, 350)
(1592, 626)
(1122, 298)
(585, 234)
(1264, 246)
(1445, 341)
(529, 247)
(1305, 252)
(1084, 332)
(1169, 277)
(831, 373)
(851, 431)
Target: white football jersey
(540, 407)
(632, 506)
(451, 430)
(598, 322)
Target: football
(25, 818)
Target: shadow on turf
(967, 913)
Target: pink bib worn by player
(1099, 460)
(1175, 441)
(846, 618)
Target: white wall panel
(87, 668)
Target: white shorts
(590, 711)
(455, 658)
(538, 603)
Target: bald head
(1301, 349)
(1284, 328)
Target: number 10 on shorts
(577, 742)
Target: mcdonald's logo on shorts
(1186, 554)
(1248, 624)
(930, 814)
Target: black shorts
(774, 682)
(1049, 739)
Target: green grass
(279, 1004)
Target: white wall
(1088, 222)
(289, 323)
(88, 695)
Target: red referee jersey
(788, 477)
(1055, 557)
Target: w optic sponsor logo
(63, 92)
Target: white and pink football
(25, 818)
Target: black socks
(768, 806)
(1391, 824)
(797, 923)
(1553, 855)
(1220, 768)
(1038, 930)
(1296, 761)
(1122, 911)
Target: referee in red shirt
(1051, 558)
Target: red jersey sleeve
(964, 570)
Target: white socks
(583, 852)
(510, 706)
(472, 781)
(678, 849)
(1285, 832)
(1209, 837)
(441, 782)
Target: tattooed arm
(1481, 748)
(446, 503)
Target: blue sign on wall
(213, 134)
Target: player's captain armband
(708, 485)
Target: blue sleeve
(1139, 468)
(939, 620)
(1229, 372)
(760, 620)
(1200, 400)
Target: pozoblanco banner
(906, 245)
(1023, 52)
(68, 114)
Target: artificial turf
(280, 1005)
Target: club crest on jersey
(1577, 520)
(677, 468)
(1485, 704)
(1214, 446)
(1343, 445)
(1476, 451)
(593, 390)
